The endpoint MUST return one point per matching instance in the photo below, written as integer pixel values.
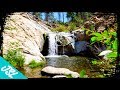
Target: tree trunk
(59, 15)
(47, 16)
(63, 16)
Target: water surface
(74, 63)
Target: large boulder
(20, 28)
(80, 35)
(65, 39)
(65, 43)
(81, 46)
(52, 71)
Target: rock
(81, 46)
(80, 35)
(52, 71)
(65, 43)
(59, 76)
(65, 39)
(105, 53)
(27, 34)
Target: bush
(61, 28)
(15, 57)
(34, 64)
(71, 26)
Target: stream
(73, 63)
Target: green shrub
(15, 57)
(34, 64)
(60, 28)
(71, 26)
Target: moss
(10, 28)
(34, 64)
(14, 44)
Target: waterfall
(53, 50)
(58, 41)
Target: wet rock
(65, 43)
(52, 71)
(65, 39)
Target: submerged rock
(52, 71)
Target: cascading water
(63, 39)
(53, 50)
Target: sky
(56, 16)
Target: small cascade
(53, 48)
(60, 44)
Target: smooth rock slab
(52, 71)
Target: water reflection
(74, 63)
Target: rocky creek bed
(73, 63)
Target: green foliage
(14, 44)
(115, 46)
(71, 26)
(95, 62)
(34, 64)
(60, 28)
(10, 28)
(82, 73)
(112, 55)
(15, 57)
(78, 17)
(106, 37)
(69, 76)
(100, 76)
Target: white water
(53, 38)
(53, 50)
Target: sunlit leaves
(94, 62)
(94, 39)
(112, 55)
(115, 46)
(82, 73)
(97, 34)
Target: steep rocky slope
(22, 31)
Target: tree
(59, 15)
(38, 14)
(71, 15)
(63, 16)
(46, 16)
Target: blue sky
(56, 16)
